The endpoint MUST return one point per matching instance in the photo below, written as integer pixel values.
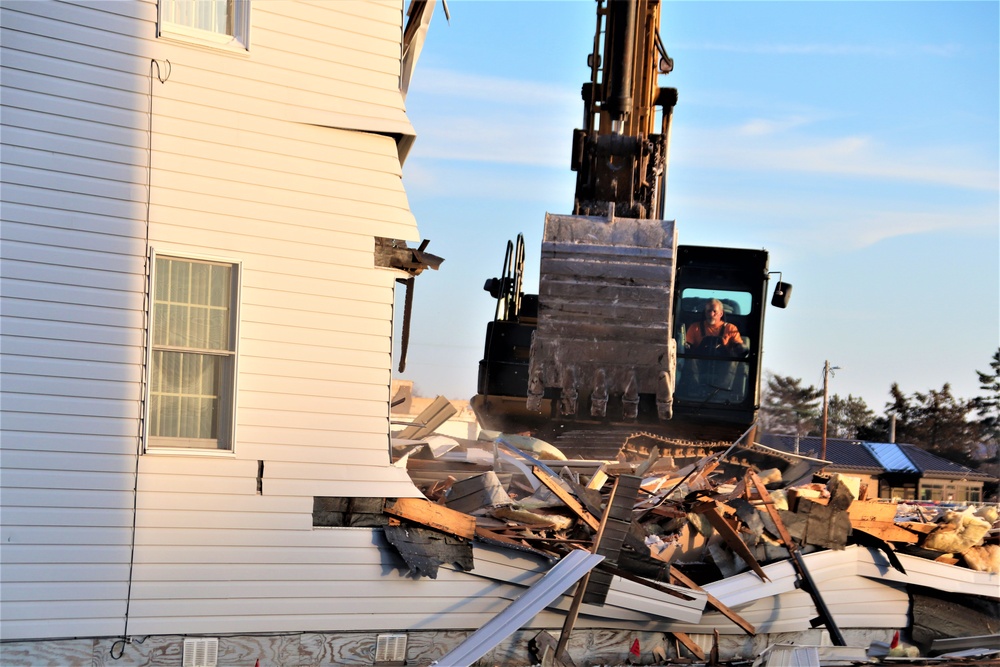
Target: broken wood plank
(917, 526)
(607, 543)
(688, 643)
(679, 577)
(732, 539)
(888, 531)
(562, 494)
(433, 516)
(771, 510)
(872, 510)
(600, 477)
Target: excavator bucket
(603, 338)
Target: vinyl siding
(283, 159)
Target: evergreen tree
(935, 421)
(788, 407)
(943, 424)
(988, 406)
(847, 417)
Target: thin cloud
(819, 219)
(438, 83)
(767, 126)
(860, 156)
(824, 50)
(495, 120)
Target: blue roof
(873, 457)
(939, 467)
(846, 454)
(890, 456)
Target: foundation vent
(390, 650)
(202, 652)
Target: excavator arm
(620, 153)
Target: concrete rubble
(749, 531)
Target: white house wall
(283, 159)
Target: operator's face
(713, 313)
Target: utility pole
(827, 371)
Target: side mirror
(494, 287)
(782, 295)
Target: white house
(203, 227)
(196, 334)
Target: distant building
(897, 470)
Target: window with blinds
(220, 22)
(192, 364)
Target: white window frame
(225, 443)
(236, 42)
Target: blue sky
(858, 142)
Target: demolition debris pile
(672, 516)
(713, 513)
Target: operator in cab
(713, 335)
(714, 346)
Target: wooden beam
(433, 516)
(680, 578)
(689, 644)
(771, 510)
(726, 531)
(887, 530)
(567, 498)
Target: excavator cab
(718, 377)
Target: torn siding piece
(553, 584)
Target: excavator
(614, 342)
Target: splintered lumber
(771, 510)
(689, 644)
(433, 516)
(679, 577)
(562, 494)
(732, 539)
(879, 519)
(599, 478)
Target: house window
(929, 491)
(192, 365)
(213, 22)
